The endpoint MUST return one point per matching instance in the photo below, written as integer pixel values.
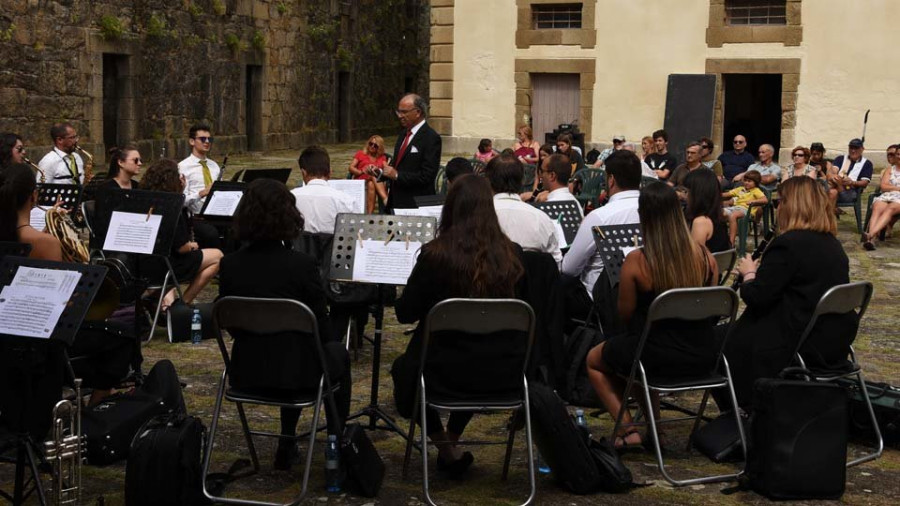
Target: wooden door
(556, 101)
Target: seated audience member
(187, 259)
(12, 150)
(264, 267)
(469, 257)
(545, 151)
(623, 178)
(366, 161)
(564, 147)
(124, 165)
(692, 162)
(713, 164)
(736, 161)
(662, 162)
(781, 291)
(800, 165)
(853, 175)
(704, 212)
(526, 148)
(737, 201)
(485, 151)
(769, 171)
(456, 168)
(618, 142)
(555, 172)
(524, 224)
(817, 159)
(317, 202)
(646, 171)
(669, 259)
(886, 206)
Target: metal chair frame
(687, 304)
(479, 316)
(265, 316)
(857, 209)
(842, 299)
(725, 261)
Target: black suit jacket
(417, 169)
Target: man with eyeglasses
(706, 149)
(736, 161)
(769, 171)
(854, 172)
(555, 172)
(62, 165)
(417, 155)
(199, 173)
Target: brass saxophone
(63, 450)
(36, 168)
(88, 164)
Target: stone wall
(265, 74)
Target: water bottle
(332, 465)
(542, 466)
(196, 327)
(579, 418)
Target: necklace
(23, 226)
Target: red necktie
(403, 147)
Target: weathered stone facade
(265, 74)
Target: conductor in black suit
(417, 155)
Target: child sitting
(738, 200)
(485, 151)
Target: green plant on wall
(195, 11)
(282, 8)
(258, 41)
(111, 28)
(6, 35)
(218, 6)
(157, 26)
(344, 58)
(234, 43)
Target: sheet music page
(223, 203)
(356, 188)
(54, 282)
(390, 264)
(628, 249)
(560, 234)
(434, 211)
(32, 304)
(132, 232)
(38, 219)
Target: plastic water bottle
(541, 465)
(332, 465)
(196, 327)
(579, 418)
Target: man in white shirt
(62, 165)
(319, 203)
(199, 171)
(555, 172)
(623, 178)
(524, 224)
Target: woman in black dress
(470, 257)
(670, 258)
(781, 291)
(124, 165)
(187, 259)
(704, 213)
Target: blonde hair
(525, 129)
(805, 206)
(378, 140)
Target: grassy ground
(200, 366)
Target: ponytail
(116, 155)
(16, 187)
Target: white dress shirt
(55, 165)
(193, 181)
(562, 195)
(526, 225)
(582, 259)
(320, 204)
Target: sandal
(869, 245)
(621, 444)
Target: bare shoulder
(43, 246)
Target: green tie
(207, 177)
(73, 167)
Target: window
(756, 12)
(546, 16)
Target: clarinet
(758, 252)
(222, 167)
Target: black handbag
(613, 477)
(363, 466)
(720, 440)
(109, 426)
(179, 321)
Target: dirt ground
(876, 483)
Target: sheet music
(560, 234)
(223, 203)
(61, 283)
(38, 219)
(355, 188)
(132, 232)
(434, 211)
(628, 249)
(390, 264)
(32, 304)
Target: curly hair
(268, 211)
(163, 176)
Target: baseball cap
(856, 143)
(817, 146)
(619, 138)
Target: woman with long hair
(781, 291)
(124, 165)
(886, 207)
(187, 259)
(800, 165)
(369, 158)
(526, 148)
(18, 195)
(544, 152)
(469, 257)
(670, 258)
(704, 212)
(12, 149)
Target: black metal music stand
(567, 212)
(15, 249)
(281, 175)
(69, 195)
(347, 229)
(610, 240)
(64, 331)
(429, 200)
(220, 186)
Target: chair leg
(697, 420)
(529, 445)
(207, 454)
(312, 443)
(858, 212)
(879, 445)
(423, 407)
(162, 295)
(509, 447)
(254, 458)
(409, 439)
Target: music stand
(429, 200)
(567, 212)
(347, 229)
(15, 249)
(220, 186)
(68, 194)
(281, 175)
(610, 240)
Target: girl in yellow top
(737, 201)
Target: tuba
(88, 164)
(63, 450)
(36, 169)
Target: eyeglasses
(401, 112)
(71, 137)
(740, 142)
(21, 149)
(204, 139)
(801, 155)
(704, 146)
(137, 160)
(373, 144)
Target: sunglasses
(740, 142)
(204, 139)
(20, 149)
(795, 155)
(137, 160)
(373, 144)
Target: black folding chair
(263, 317)
(482, 317)
(842, 299)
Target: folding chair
(725, 261)
(842, 299)
(592, 183)
(857, 209)
(531, 173)
(169, 281)
(691, 304)
(482, 317)
(440, 181)
(262, 317)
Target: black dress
(720, 239)
(112, 184)
(185, 265)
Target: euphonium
(63, 450)
(88, 164)
(36, 168)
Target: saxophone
(36, 168)
(88, 164)
(64, 449)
